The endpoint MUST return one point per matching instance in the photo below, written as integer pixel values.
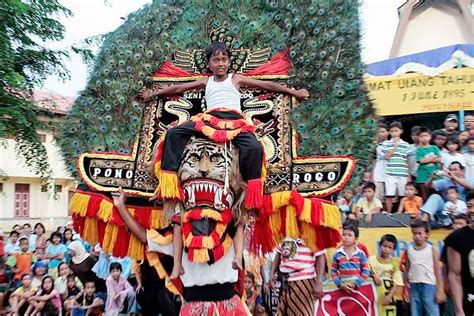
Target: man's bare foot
(177, 271)
(237, 264)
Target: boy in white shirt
(368, 204)
(454, 205)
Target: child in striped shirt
(397, 152)
(350, 266)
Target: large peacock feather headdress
(322, 38)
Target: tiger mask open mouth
(207, 192)
(204, 169)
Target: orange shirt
(412, 205)
(23, 263)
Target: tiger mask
(210, 205)
(204, 168)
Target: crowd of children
(415, 175)
(45, 276)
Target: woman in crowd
(82, 263)
(40, 236)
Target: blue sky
(91, 17)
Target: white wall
(14, 165)
(43, 207)
(434, 28)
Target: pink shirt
(122, 287)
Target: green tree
(26, 27)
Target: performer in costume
(209, 289)
(222, 122)
(302, 271)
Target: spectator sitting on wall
(433, 207)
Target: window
(42, 138)
(59, 188)
(22, 200)
(1, 187)
(44, 188)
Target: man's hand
(139, 287)
(387, 300)
(318, 290)
(347, 288)
(145, 94)
(377, 280)
(440, 297)
(119, 200)
(406, 294)
(301, 94)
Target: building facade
(23, 199)
(430, 24)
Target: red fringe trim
(298, 201)
(254, 196)
(220, 136)
(263, 241)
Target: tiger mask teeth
(206, 192)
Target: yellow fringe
(208, 242)
(158, 219)
(105, 210)
(306, 213)
(206, 213)
(78, 204)
(291, 222)
(155, 262)
(169, 185)
(90, 232)
(110, 237)
(208, 131)
(280, 199)
(200, 255)
(332, 218)
(275, 226)
(157, 169)
(309, 236)
(220, 228)
(226, 244)
(158, 238)
(188, 240)
(135, 248)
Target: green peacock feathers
(323, 39)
